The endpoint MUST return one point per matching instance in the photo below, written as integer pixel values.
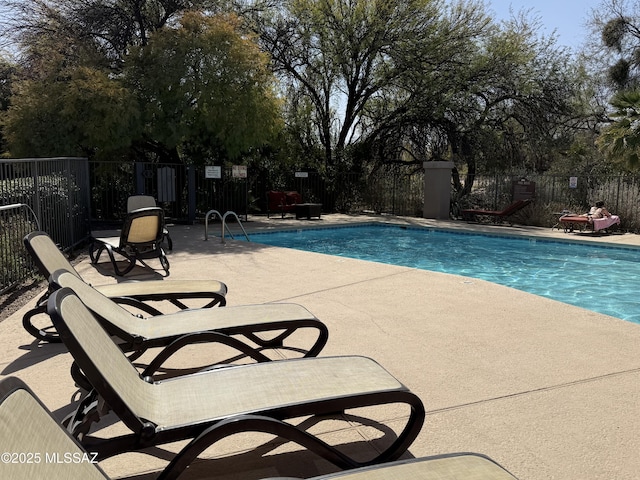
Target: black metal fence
(68, 196)
(48, 194)
(188, 192)
(556, 193)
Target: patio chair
(140, 239)
(283, 202)
(188, 327)
(135, 202)
(582, 222)
(48, 258)
(214, 404)
(30, 429)
(497, 215)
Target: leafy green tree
(87, 114)
(505, 102)
(7, 76)
(204, 90)
(620, 140)
(108, 27)
(197, 87)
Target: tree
(620, 141)
(87, 114)
(417, 80)
(617, 28)
(618, 22)
(109, 27)
(204, 90)
(504, 102)
(340, 56)
(7, 76)
(197, 86)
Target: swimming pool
(599, 278)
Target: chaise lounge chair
(217, 403)
(29, 429)
(140, 239)
(582, 222)
(48, 258)
(135, 202)
(178, 330)
(283, 202)
(497, 215)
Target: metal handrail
(223, 218)
(22, 205)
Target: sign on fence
(523, 189)
(213, 171)
(239, 171)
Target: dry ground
(23, 293)
(18, 297)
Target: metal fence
(48, 194)
(69, 195)
(556, 193)
(187, 192)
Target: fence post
(138, 171)
(191, 194)
(36, 189)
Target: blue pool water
(598, 278)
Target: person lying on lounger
(602, 218)
(599, 211)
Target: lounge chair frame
(496, 215)
(48, 258)
(296, 388)
(140, 239)
(571, 222)
(19, 407)
(266, 325)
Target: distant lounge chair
(48, 258)
(29, 429)
(188, 327)
(136, 202)
(282, 202)
(497, 215)
(582, 222)
(217, 403)
(140, 239)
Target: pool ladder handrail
(223, 218)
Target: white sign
(239, 171)
(212, 171)
(302, 174)
(573, 182)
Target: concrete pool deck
(548, 390)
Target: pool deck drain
(548, 390)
